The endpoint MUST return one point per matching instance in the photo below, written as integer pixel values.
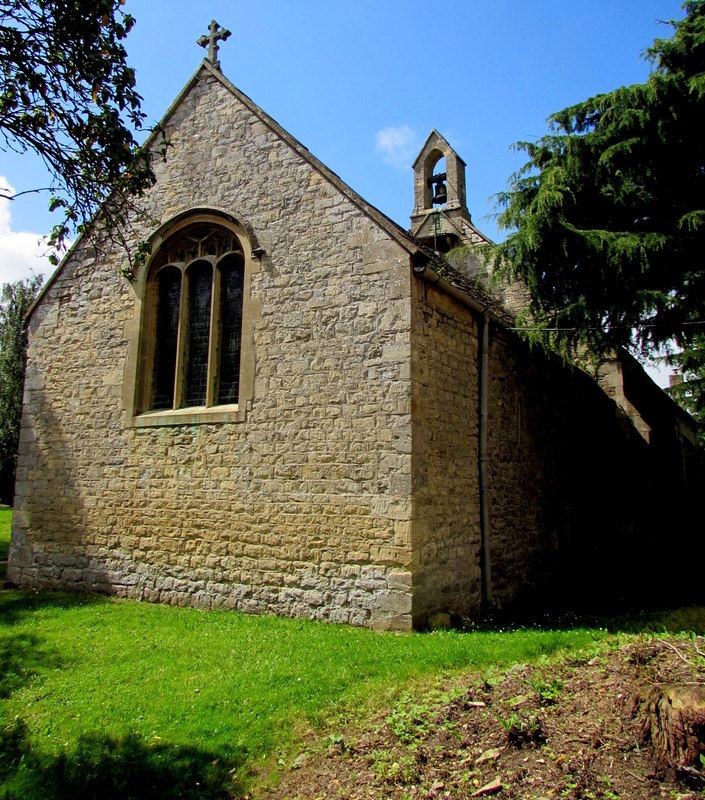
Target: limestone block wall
(576, 498)
(446, 510)
(575, 508)
(303, 507)
(527, 423)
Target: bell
(440, 195)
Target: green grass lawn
(117, 699)
(90, 685)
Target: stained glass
(200, 277)
(167, 332)
(231, 285)
(200, 245)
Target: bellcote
(440, 204)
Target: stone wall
(303, 507)
(577, 501)
(446, 507)
(347, 486)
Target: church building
(297, 407)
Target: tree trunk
(675, 724)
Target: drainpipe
(429, 275)
(485, 566)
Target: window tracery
(192, 337)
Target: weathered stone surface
(446, 519)
(281, 511)
(345, 486)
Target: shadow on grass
(24, 654)
(21, 657)
(16, 604)
(689, 619)
(686, 619)
(109, 769)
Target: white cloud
(397, 145)
(21, 253)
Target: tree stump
(675, 724)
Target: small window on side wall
(193, 340)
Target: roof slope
(419, 253)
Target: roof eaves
(433, 267)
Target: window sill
(195, 415)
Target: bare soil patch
(579, 728)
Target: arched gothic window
(192, 347)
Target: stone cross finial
(215, 33)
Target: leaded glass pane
(200, 277)
(231, 285)
(167, 333)
(210, 245)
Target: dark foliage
(15, 302)
(607, 218)
(67, 93)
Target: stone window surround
(139, 330)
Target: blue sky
(362, 83)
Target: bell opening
(440, 193)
